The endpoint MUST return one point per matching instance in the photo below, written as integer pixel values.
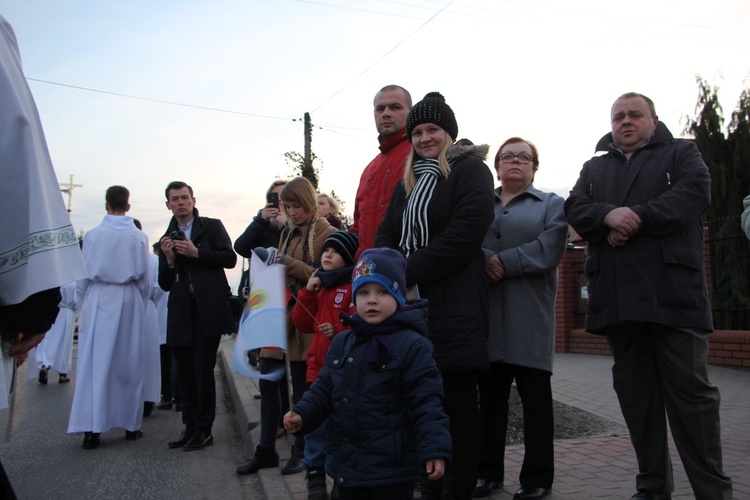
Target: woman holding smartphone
(300, 246)
(265, 229)
(264, 232)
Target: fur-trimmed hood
(456, 152)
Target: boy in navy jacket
(380, 390)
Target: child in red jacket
(328, 293)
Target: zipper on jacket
(387, 176)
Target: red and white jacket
(325, 305)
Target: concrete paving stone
(593, 465)
(581, 474)
(566, 461)
(602, 468)
(611, 477)
(614, 471)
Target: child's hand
(327, 330)
(313, 284)
(435, 467)
(293, 423)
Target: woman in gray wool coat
(523, 248)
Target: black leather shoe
(180, 441)
(485, 487)
(264, 458)
(133, 435)
(649, 495)
(164, 404)
(148, 408)
(43, 375)
(294, 464)
(530, 493)
(198, 442)
(90, 440)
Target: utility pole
(308, 141)
(68, 189)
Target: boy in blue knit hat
(380, 390)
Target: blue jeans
(315, 447)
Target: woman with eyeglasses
(438, 216)
(523, 248)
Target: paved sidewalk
(599, 467)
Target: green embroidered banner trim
(39, 242)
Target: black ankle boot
(294, 465)
(264, 458)
(316, 484)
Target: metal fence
(729, 276)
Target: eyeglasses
(522, 158)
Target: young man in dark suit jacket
(194, 253)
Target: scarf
(377, 352)
(416, 232)
(336, 277)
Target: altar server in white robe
(112, 338)
(55, 351)
(168, 394)
(152, 387)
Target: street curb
(247, 410)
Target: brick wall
(727, 348)
(567, 306)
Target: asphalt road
(43, 461)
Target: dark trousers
(195, 369)
(460, 404)
(6, 489)
(393, 492)
(660, 368)
(165, 357)
(274, 399)
(535, 390)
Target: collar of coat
(391, 141)
(457, 152)
(173, 225)
(661, 134)
(530, 190)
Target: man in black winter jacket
(639, 207)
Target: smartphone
(273, 198)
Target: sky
(143, 92)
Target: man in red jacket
(391, 107)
